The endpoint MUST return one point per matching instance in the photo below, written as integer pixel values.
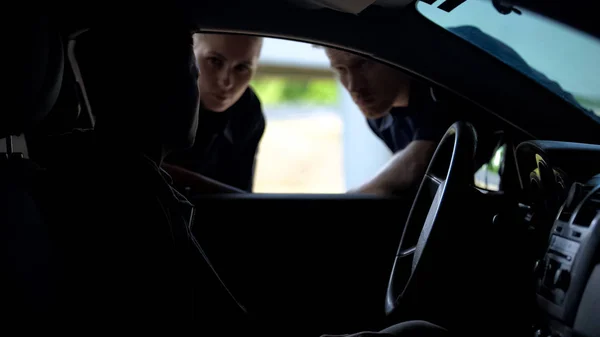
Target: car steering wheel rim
(450, 171)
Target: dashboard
(561, 185)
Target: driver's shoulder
(58, 148)
(74, 138)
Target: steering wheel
(425, 244)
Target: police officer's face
(227, 64)
(374, 87)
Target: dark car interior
(524, 260)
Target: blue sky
(565, 55)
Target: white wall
(364, 153)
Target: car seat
(126, 262)
(35, 62)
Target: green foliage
(497, 159)
(276, 90)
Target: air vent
(576, 193)
(588, 211)
(566, 213)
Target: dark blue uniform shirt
(422, 119)
(226, 143)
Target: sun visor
(347, 6)
(350, 6)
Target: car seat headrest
(36, 63)
(114, 55)
(142, 86)
(66, 111)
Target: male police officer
(400, 111)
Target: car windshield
(561, 58)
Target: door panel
(317, 263)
